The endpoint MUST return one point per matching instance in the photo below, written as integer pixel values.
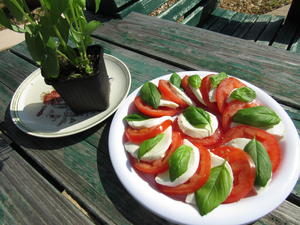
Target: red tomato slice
(160, 165)
(243, 169)
(188, 90)
(268, 140)
(205, 88)
(150, 111)
(231, 109)
(224, 89)
(168, 94)
(139, 135)
(197, 180)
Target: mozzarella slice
(148, 122)
(164, 178)
(212, 95)
(194, 132)
(181, 94)
(167, 103)
(157, 152)
(197, 93)
(238, 142)
(215, 161)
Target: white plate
(33, 117)
(245, 211)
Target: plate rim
(286, 188)
(20, 124)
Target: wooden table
(70, 180)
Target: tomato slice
(159, 165)
(231, 109)
(150, 111)
(139, 135)
(205, 88)
(224, 89)
(188, 90)
(268, 140)
(197, 180)
(243, 169)
(168, 94)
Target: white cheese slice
(164, 178)
(194, 132)
(215, 161)
(181, 94)
(197, 93)
(212, 95)
(167, 103)
(148, 122)
(238, 143)
(157, 152)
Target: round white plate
(245, 211)
(34, 117)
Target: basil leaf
(150, 94)
(215, 190)
(243, 94)
(175, 79)
(179, 161)
(197, 116)
(195, 81)
(261, 160)
(258, 116)
(135, 117)
(148, 144)
(215, 80)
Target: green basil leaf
(179, 161)
(175, 79)
(261, 160)
(215, 190)
(150, 94)
(243, 94)
(195, 81)
(258, 116)
(197, 116)
(148, 144)
(215, 80)
(135, 117)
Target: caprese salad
(208, 139)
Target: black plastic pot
(90, 93)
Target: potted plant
(60, 42)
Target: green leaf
(57, 7)
(261, 160)
(81, 3)
(215, 190)
(35, 46)
(150, 94)
(195, 81)
(50, 65)
(135, 117)
(179, 161)
(16, 8)
(148, 144)
(258, 116)
(97, 5)
(91, 27)
(175, 79)
(243, 94)
(4, 21)
(197, 116)
(215, 80)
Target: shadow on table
(117, 194)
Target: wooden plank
(234, 23)
(108, 7)
(213, 18)
(258, 27)
(190, 47)
(222, 21)
(285, 35)
(27, 198)
(271, 30)
(245, 26)
(178, 9)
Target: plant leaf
(97, 5)
(215, 190)
(261, 160)
(91, 27)
(57, 7)
(179, 161)
(195, 81)
(148, 144)
(15, 8)
(215, 80)
(175, 79)
(258, 116)
(150, 94)
(197, 116)
(243, 94)
(135, 117)
(35, 46)
(50, 65)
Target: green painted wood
(108, 7)
(27, 198)
(196, 48)
(245, 26)
(271, 30)
(258, 27)
(178, 9)
(141, 6)
(285, 35)
(233, 24)
(222, 21)
(213, 18)
(194, 18)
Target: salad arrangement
(208, 139)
